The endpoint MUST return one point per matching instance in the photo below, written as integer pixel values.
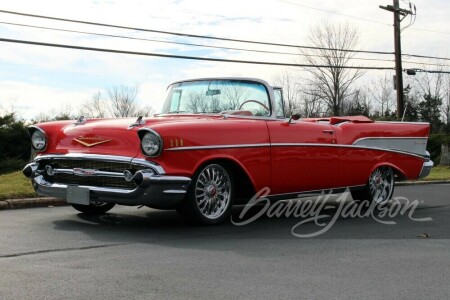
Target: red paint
(318, 161)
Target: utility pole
(399, 15)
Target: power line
(188, 34)
(423, 56)
(335, 13)
(218, 38)
(183, 43)
(186, 57)
(358, 18)
(186, 44)
(209, 46)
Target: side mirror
(294, 116)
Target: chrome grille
(98, 181)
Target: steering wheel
(254, 101)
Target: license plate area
(77, 195)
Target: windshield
(218, 96)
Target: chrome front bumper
(153, 188)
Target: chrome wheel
(213, 191)
(381, 184)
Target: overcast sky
(36, 79)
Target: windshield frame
(267, 87)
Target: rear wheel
(379, 188)
(94, 208)
(210, 197)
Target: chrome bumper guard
(426, 168)
(153, 187)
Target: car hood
(106, 136)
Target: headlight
(38, 140)
(151, 144)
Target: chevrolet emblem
(90, 141)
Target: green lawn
(15, 185)
(439, 173)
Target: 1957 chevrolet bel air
(217, 142)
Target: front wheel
(210, 197)
(94, 208)
(379, 188)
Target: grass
(15, 185)
(439, 173)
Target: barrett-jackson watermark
(315, 210)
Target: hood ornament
(90, 141)
(138, 122)
(80, 121)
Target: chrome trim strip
(346, 146)
(106, 158)
(389, 138)
(398, 122)
(416, 145)
(175, 192)
(218, 147)
(96, 174)
(315, 192)
(211, 147)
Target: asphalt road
(55, 253)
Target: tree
(14, 143)
(430, 111)
(446, 103)
(411, 112)
(122, 101)
(291, 91)
(94, 107)
(358, 104)
(432, 90)
(333, 82)
(383, 93)
(116, 102)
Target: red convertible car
(216, 143)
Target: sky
(41, 80)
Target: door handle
(328, 131)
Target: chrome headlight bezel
(151, 142)
(39, 139)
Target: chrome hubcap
(381, 182)
(213, 191)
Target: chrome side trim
(389, 137)
(316, 192)
(106, 158)
(218, 147)
(398, 122)
(211, 147)
(416, 145)
(347, 146)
